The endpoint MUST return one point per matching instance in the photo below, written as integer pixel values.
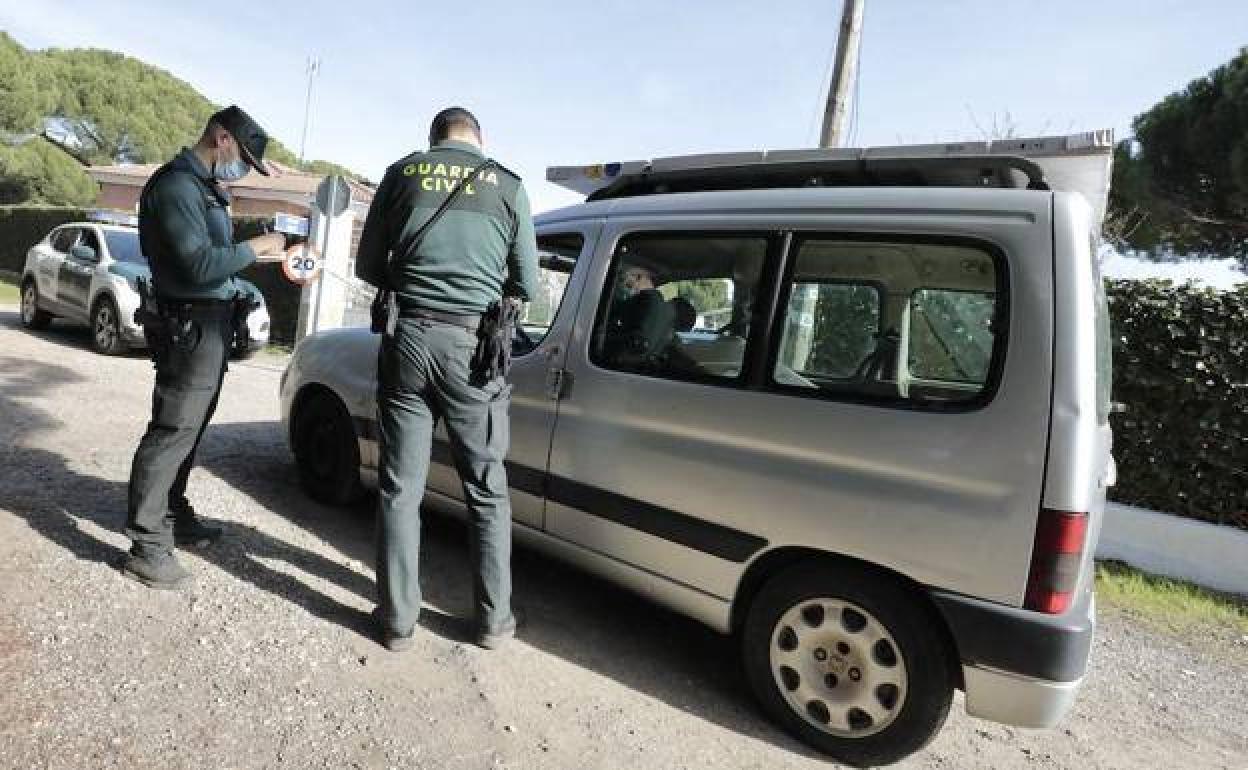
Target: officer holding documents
(450, 233)
(190, 315)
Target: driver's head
(637, 278)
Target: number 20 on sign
(302, 265)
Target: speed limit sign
(302, 264)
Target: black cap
(250, 136)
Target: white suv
(86, 272)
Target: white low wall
(1206, 554)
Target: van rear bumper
(1017, 700)
(1019, 667)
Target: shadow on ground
(585, 621)
(579, 618)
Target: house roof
(286, 183)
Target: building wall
(250, 207)
(122, 197)
(119, 197)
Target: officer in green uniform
(189, 322)
(481, 251)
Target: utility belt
(469, 321)
(494, 328)
(198, 310)
(172, 320)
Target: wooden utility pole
(842, 74)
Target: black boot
(189, 529)
(156, 569)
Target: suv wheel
(327, 451)
(32, 316)
(106, 328)
(848, 661)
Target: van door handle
(558, 383)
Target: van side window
(843, 318)
(908, 321)
(557, 254)
(679, 305)
(951, 335)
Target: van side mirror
(83, 253)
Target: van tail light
(1055, 560)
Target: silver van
(859, 421)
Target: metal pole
(842, 75)
(314, 66)
(320, 281)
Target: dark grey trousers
(189, 373)
(423, 376)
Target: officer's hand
(268, 245)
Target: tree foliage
(93, 107)
(1182, 184)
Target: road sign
(302, 264)
(333, 195)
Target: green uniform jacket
(481, 249)
(186, 233)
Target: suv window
(678, 305)
(895, 319)
(88, 238)
(64, 239)
(123, 246)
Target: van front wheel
(848, 661)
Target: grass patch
(9, 293)
(276, 349)
(1173, 605)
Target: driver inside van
(642, 323)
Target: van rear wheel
(848, 661)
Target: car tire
(327, 451)
(850, 661)
(106, 328)
(32, 316)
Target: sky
(563, 83)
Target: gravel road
(267, 661)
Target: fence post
(328, 313)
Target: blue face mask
(230, 172)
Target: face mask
(230, 171)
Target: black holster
(492, 358)
(384, 313)
(243, 306)
(158, 326)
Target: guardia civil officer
(479, 254)
(190, 313)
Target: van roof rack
(1077, 162)
(897, 171)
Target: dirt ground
(267, 661)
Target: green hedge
(1181, 370)
(23, 226)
